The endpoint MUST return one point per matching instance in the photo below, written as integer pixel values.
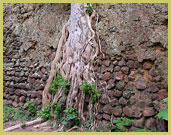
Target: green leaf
(165, 100)
(163, 114)
(140, 129)
(155, 130)
(64, 122)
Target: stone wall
(133, 75)
(31, 33)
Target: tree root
(38, 120)
(46, 96)
(41, 125)
(75, 127)
(75, 56)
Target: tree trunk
(76, 53)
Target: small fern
(71, 118)
(119, 123)
(89, 9)
(90, 88)
(59, 82)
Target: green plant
(71, 118)
(59, 82)
(90, 130)
(52, 110)
(8, 113)
(57, 109)
(155, 130)
(23, 125)
(119, 123)
(164, 113)
(30, 106)
(89, 9)
(140, 129)
(90, 88)
(145, 130)
(45, 113)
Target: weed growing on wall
(59, 82)
(71, 118)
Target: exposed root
(41, 125)
(61, 128)
(46, 96)
(75, 57)
(38, 120)
(75, 127)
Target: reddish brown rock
(22, 99)
(122, 63)
(152, 87)
(122, 101)
(111, 84)
(99, 116)
(23, 92)
(141, 103)
(110, 93)
(161, 125)
(9, 102)
(149, 102)
(150, 123)
(107, 63)
(127, 94)
(17, 92)
(39, 87)
(107, 109)
(107, 76)
(126, 79)
(132, 111)
(120, 85)
(38, 94)
(149, 111)
(37, 101)
(16, 99)
(110, 68)
(100, 108)
(140, 84)
(115, 62)
(118, 76)
(130, 64)
(15, 104)
(128, 111)
(136, 112)
(22, 85)
(104, 100)
(139, 123)
(21, 104)
(113, 102)
(117, 69)
(106, 117)
(162, 94)
(30, 80)
(117, 93)
(117, 111)
(125, 70)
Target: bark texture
(75, 55)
